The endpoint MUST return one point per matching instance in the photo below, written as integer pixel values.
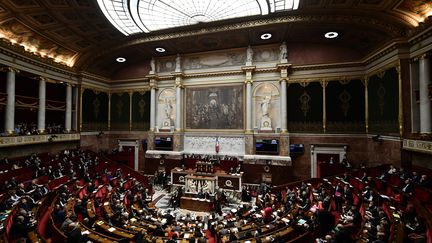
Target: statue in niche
(178, 63)
(283, 53)
(249, 55)
(265, 117)
(167, 119)
(152, 66)
(168, 108)
(265, 105)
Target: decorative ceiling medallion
(137, 16)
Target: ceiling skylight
(137, 16)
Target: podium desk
(196, 204)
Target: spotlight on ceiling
(121, 59)
(331, 35)
(160, 49)
(266, 36)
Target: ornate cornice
(19, 53)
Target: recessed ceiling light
(121, 59)
(160, 49)
(266, 36)
(331, 35)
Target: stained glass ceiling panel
(137, 16)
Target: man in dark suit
(74, 234)
(408, 187)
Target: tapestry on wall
(305, 107)
(383, 101)
(141, 111)
(120, 111)
(94, 110)
(214, 107)
(345, 106)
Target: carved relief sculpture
(178, 63)
(283, 53)
(152, 66)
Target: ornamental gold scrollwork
(96, 106)
(141, 105)
(304, 103)
(345, 98)
(381, 92)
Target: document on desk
(112, 229)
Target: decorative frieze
(234, 146)
(417, 145)
(35, 139)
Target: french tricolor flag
(217, 147)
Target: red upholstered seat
(42, 226)
(422, 194)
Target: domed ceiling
(76, 35)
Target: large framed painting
(214, 107)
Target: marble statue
(266, 123)
(168, 109)
(249, 55)
(283, 53)
(178, 63)
(152, 66)
(265, 105)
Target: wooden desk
(195, 204)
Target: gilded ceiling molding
(213, 74)
(381, 71)
(422, 34)
(325, 66)
(380, 53)
(94, 88)
(18, 53)
(343, 79)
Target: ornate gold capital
(248, 81)
(153, 84)
(9, 69)
(282, 66)
(365, 81)
(178, 82)
(283, 80)
(324, 83)
(248, 68)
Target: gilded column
(130, 110)
(248, 82)
(153, 88)
(109, 110)
(68, 114)
(283, 68)
(81, 90)
(249, 105)
(75, 122)
(415, 108)
(179, 103)
(366, 94)
(425, 100)
(10, 103)
(324, 122)
(42, 105)
(283, 109)
(400, 115)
